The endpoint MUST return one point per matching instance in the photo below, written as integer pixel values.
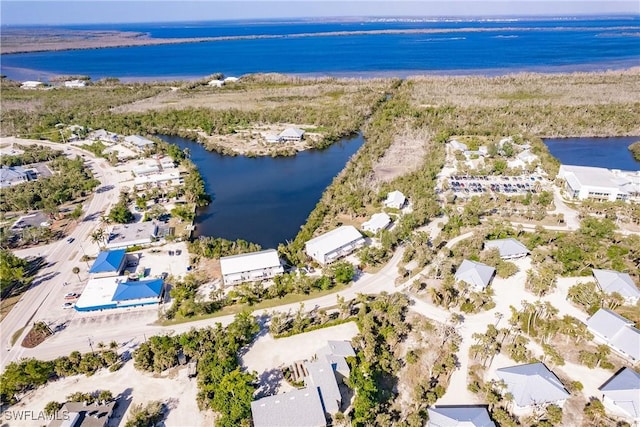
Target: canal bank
(263, 200)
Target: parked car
(68, 305)
(70, 239)
(71, 295)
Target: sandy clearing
(267, 354)
(178, 392)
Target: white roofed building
(231, 79)
(621, 395)
(292, 135)
(476, 274)
(586, 182)
(125, 235)
(509, 248)
(611, 281)
(615, 331)
(377, 222)
(334, 244)
(31, 84)
(139, 142)
(170, 178)
(395, 199)
(272, 137)
(216, 83)
(531, 385)
(459, 416)
(75, 83)
(13, 175)
(250, 267)
(146, 167)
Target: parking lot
(464, 184)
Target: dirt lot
(174, 388)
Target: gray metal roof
(532, 383)
(507, 247)
(298, 408)
(474, 273)
(459, 416)
(339, 348)
(322, 376)
(614, 281)
(617, 331)
(624, 390)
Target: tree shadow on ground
(269, 382)
(124, 401)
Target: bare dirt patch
(405, 155)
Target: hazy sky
(25, 12)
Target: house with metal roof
(334, 244)
(292, 135)
(298, 408)
(459, 416)
(119, 292)
(13, 175)
(378, 221)
(611, 281)
(249, 267)
(509, 248)
(81, 414)
(621, 395)
(109, 263)
(139, 142)
(532, 384)
(476, 274)
(395, 199)
(336, 352)
(320, 375)
(126, 235)
(615, 331)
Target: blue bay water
(610, 153)
(498, 47)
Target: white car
(68, 305)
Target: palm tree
(76, 271)
(98, 236)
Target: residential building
(126, 235)
(298, 408)
(459, 416)
(250, 267)
(30, 84)
(621, 395)
(231, 79)
(509, 248)
(75, 83)
(272, 137)
(336, 352)
(334, 244)
(103, 135)
(320, 375)
(378, 221)
(617, 332)
(476, 274)
(167, 163)
(216, 83)
(292, 135)
(139, 142)
(119, 292)
(610, 281)
(80, 414)
(109, 263)
(146, 167)
(585, 182)
(532, 384)
(13, 175)
(395, 199)
(171, 178)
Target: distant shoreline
(23, 41)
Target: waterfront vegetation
(635, 150)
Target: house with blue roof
(109, 263)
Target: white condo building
(250, 267)
(585, 182)
(337, 243)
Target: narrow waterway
(263, 200)
(610, 153)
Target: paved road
(130, 328)
(45, 297)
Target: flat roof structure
(332, 245)
(459, 416)
(377, 222)
(509, 248)
(611, 281)
(250, 266)
(125, 235)
(622, 392)
(476, 274)
(586, 182)
(532, 384)
(616, 331)
(109, 262)
(116, 292)
(138, 141)
(298, 408)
